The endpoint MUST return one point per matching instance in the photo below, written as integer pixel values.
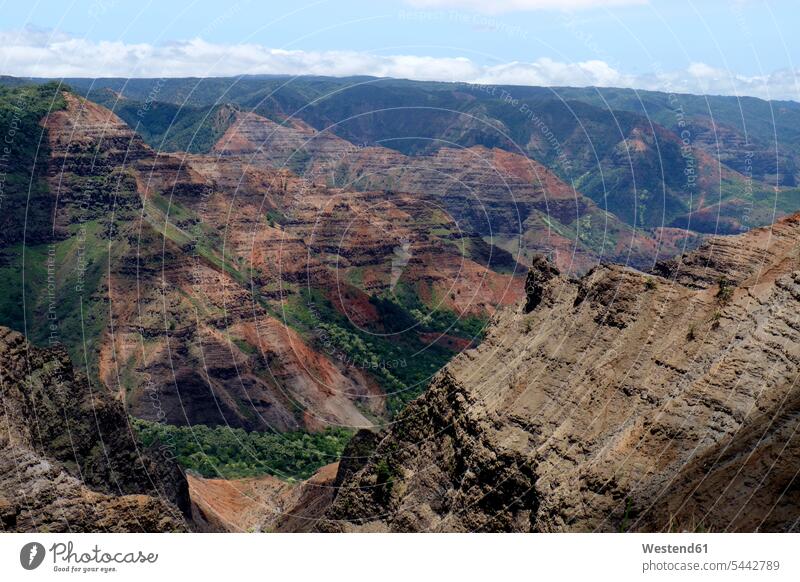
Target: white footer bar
(410, 558)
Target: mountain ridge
(618, 402)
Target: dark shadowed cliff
(68, 458)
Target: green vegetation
(437, 320)
(24, 197)
(51, 275)
(298, 161)
(392, 353)
(21, 109)
(725, 291)
(576, 133)
(183, 227)
(385, 479)
(47, 282)
(623, 527)
(58, 289)
(171, 127)
(391, 350)
(233, 453)
(398, 360)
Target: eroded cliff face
(203, 278)
(505, 196)
(68, 458)
(620, 401)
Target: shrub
(725, 292)
(385, 477)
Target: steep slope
(68, 458)
(620, 401)
(292, 144)
(26, 203)
(263, 504)
(645, 174)
(206, 289)
(170, 127)
(173, 357)
(747, 134)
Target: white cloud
(39, 53)
(702, 78)
(545, 71)
(501, 6)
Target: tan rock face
(620, 401)
(68, 461)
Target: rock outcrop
(69, 460)
(623, 401)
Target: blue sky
(734, 46)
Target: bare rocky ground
(500, 194)
(621, 401)
(261, 504)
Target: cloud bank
(36, 53)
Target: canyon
(520, 333)
(221, 346)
